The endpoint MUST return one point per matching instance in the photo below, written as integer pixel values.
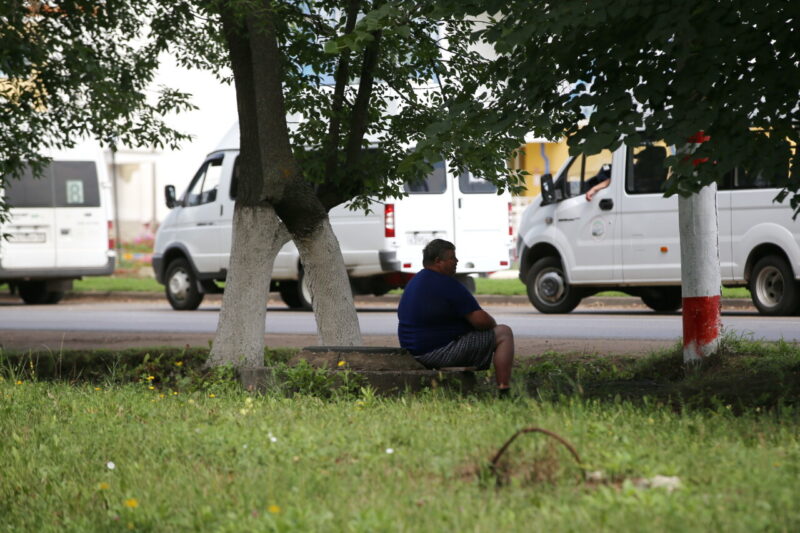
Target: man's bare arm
(481, 320)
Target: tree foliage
(667, 70)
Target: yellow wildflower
(19, 382)
(342, 363)
(212, 395)
(132, 503)
(174, 393)
(103, 486)
(151, 387)
(98, 388)
(274, 509)
(178, 363)
(150, 378)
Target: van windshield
(62, 184)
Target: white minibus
(626, 237)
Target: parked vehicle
(59, 226)
(382, 250)
(626, 238)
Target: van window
(63, 184)
(75, 184)
(234, 179)
(203, 189)
(469, 184)
(646, 173)
(584, 172)
(434, 183)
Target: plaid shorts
(475, 348)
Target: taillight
(388, 220)
(510, 225)
(111, 242)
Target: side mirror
(169, 195)
(548, 189)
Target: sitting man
(442, 325)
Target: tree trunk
(258, 235)
(331, 297)
(700, 273)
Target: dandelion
(19, 382)
(150, 378)
(132, 503)
(342, 363)
(160, 395)
(274, 509)
(390, 451)
(110, 465)
(98, 388)
(212, 395)
(151, 387)
(103, 486)
(178, 363)
(174, 393)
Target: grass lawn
(116, 457)
(508, 287)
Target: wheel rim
(769, 286)
(179, 284)
(550, 286)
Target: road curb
(611, 302)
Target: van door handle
(606, 204)
(205, 223)
(459, 203)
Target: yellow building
(537, 157)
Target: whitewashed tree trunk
(258, 235)
(700, 273)
(326, 276)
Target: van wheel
(548, 289)
(773, 288)
(181, 286)
(662, 299)
(36, 293)
(295, 294)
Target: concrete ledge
(388, 370)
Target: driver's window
(584, 172)
(205, 184)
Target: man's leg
(503, 355)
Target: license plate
(421, 238)
(31, 236)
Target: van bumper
(158, 261)
(389, 261)
(58, 273)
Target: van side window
(584, 172)
(434, 183)
(203, 189)
(750, 180)
(646, 173)
(75, 184)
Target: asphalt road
(620, 329)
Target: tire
(773, 288)
(181, 286)
(295, 294)
(36, 293)
(548, 289)
(662, 299)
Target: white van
(58, 227)
(626, 238)
(382, 250)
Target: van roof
(230, 141)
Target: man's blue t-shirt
(432, 310)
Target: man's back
(432, 310)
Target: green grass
(235, 462)
(117, 284)
(508, 287)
